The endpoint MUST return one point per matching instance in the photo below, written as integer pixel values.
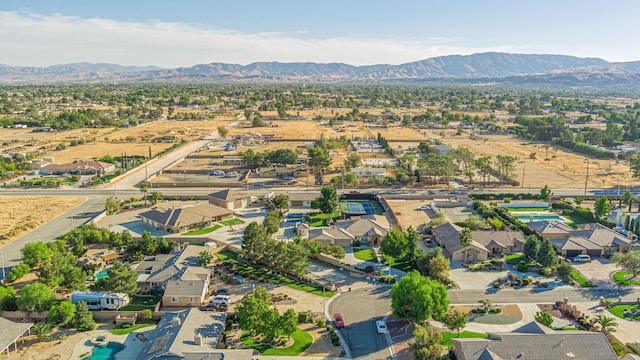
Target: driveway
(467, 279)
(598, 271)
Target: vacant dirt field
(113, 141)
(562, 170)
(299, 129)
(21, 214)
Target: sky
(183, 33)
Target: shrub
(570, 311)
(545, 271)
(633, 347)
(523, 266)
(496, 284)
(329, 329)
(321, 323)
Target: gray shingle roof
(550, 227)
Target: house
(369, 229)
(100, 300)
(442, 149)
(190, 288)
(550, 229)
(369, 171)
(229, 199)
(11, 333)
(591, 239)
(189, 334)
(155, 271)
(233, 160)
(302, 199)
(485, 243)
(93, 167)
(534, 341)
(179, 219)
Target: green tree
(254, 242)
(319, 158)
(350, 178)
(465, 161)
(112, 205)
(36, 297)
(544, 318)
(603, 322)
(629, 261)
(328, 199)
(62, 313)
(204, 258)
(256, 315)
(155, 197)
(416, 298)
(8, 298)
(35, 253)
(483, 164)
(564, 270)
(223, 131)
(394, 244)
(546, 255)
(280, 201)
(627, 198)
(17, 272)
(352, 160)
(144, 189)
(505, 167)
(465, 238)
(257, 121)
(438, 219)
(601, 207)
(545, 193)
(148, 245)
(436, 266)
(531, 246)
(289, 322)
(41, 331)
(455, 320)
(83, 318)
(121, 279)
(413, 249)
(426, 345)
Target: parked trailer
(100, 300)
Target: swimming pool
(527, 218)
(107, 352)
(102, 274)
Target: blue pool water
(107, 352)
(527, 218)
(102, 274)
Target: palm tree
(144, 188)
(155, 197)
(41, 331)
(465, 240)
(603, 322)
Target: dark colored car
(339, 321)
(214, 307)
(223, 291)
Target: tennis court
(360, 207)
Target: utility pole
(586, 178)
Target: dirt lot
(21, 214)
(114, 141)
(563, 170)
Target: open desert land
(112, 141)
(563, 170)
(21, 214)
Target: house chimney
(197, 338)
(175, 321)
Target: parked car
(223, 291)
(220, 299)
(582, 258)
(381, 326)
(424, 207)
(214, 307)
(230, 175)
(338, 321)
(217, 173)
(354, 192)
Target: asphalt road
(512, 296)
(360, 310)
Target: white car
(424, 207)
(381, 326)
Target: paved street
(513, 296)
(360, 309)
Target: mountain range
(481, 68)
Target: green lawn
(203, 231)
(129, 330)
(577, 277)
(617, 311)
(514, 259)
(574, 219)
(301, 341)
(537, 209)
(139, 303)
(365, 254)
(619, 277)
(262, 273)
(400, 265)
(231, 222)
(448, 336)
(318, 219)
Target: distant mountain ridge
(482, 67)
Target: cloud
(37, 40)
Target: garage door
(572, 253)
(594, 253)
(296, 203)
